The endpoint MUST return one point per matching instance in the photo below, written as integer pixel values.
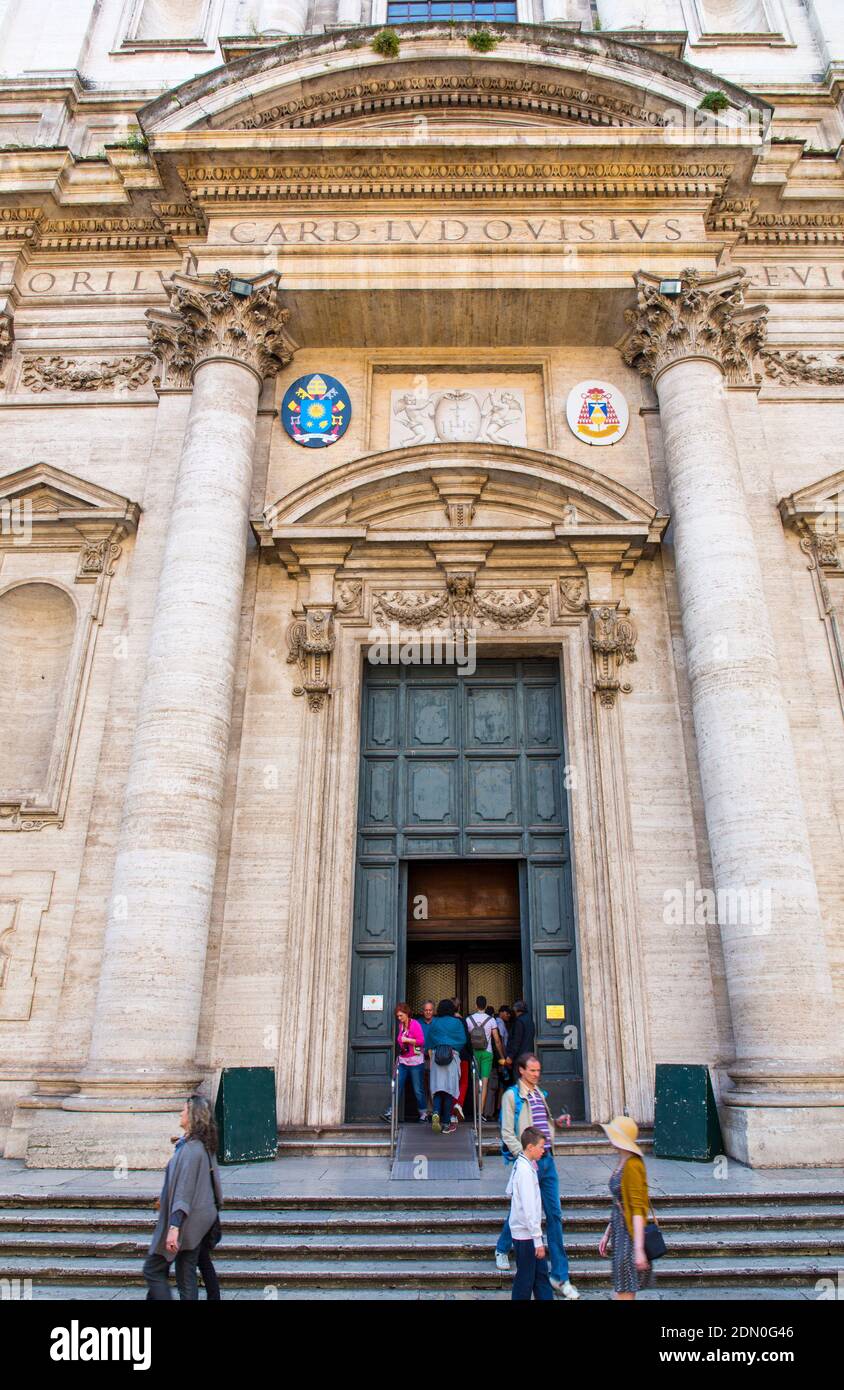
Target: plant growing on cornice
(482, 40)
(135, 141)
(387, 43)
(714, 101)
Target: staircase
(720, 1244)
(373, 1141)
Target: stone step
(711, 1199)
(345, 1246)
(439, 1220)
(373, 1141)
(798, 1272)
(131, 1292)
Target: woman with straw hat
(625, 1234)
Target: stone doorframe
(568, 603)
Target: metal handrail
(476, 1093)
(394, 1123)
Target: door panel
(463, 768)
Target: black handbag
(443, 1055)
(655, 1246)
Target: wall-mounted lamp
(242, 288)
(672, 289)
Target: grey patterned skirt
(625, 1276)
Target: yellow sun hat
(623, 1133)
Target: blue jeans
(531, 1278)
(549, 1187)
(443, 1105)
(417, 1077)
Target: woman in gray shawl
(188, 1205)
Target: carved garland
(461, 604)
(80, 374)
(792, 368)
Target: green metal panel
(463, 767)
(686, 1123)
(245, 1113)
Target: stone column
(141, 1059)
(787, 1102)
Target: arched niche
(37, 630)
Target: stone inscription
(470, 230)
(810, 275)
(119, 280)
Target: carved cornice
(461, 89)
(207, 320)
(7, 338)
(105, 234)
(20, 225)
(707, 319)
(182, 220)
(439, 177)
(85, 374)
(793, 368)
(731, 214)
(612, 637)
(795, 229)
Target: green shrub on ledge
(482, 41)
(714, 101)
(387, 43)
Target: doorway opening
(463, 936)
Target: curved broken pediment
(538, 71)
(503, 487)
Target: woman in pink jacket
(411, 1045)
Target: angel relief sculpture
(457, 416)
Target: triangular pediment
(51, 494)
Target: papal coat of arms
(597, 413)
(316, 410)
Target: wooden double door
(465, 773)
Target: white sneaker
(502, 1262)
(565, 1290)
(458, 1110)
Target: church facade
(421, 554)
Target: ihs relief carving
(457, 415)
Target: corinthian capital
(208, 320)
(708, 318)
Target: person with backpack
(481, 1029)
(524, 1105)
(531, 1278)
(446, 1036)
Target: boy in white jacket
(531, 1278)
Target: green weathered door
(463, 767)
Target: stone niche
(450, 404)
